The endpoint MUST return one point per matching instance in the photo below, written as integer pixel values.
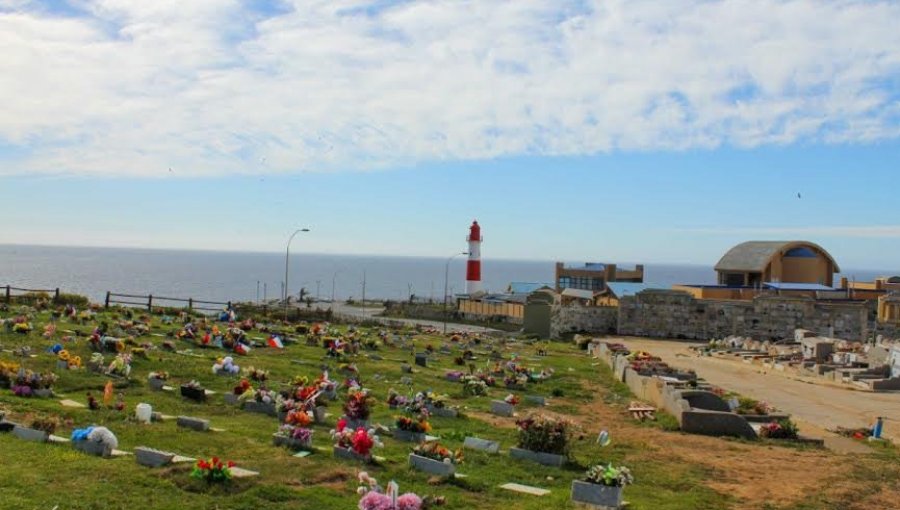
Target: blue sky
(623, 131)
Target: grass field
(669, 470)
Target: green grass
(43, 475)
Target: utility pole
(257, 292)
(318, 284)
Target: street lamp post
(333, 278)
(287, 257)
(447, 282)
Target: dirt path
(815, 407)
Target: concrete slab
(72, 404)
(525, 489)
(237, 472)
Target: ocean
(242, 276)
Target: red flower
(341, 424)
(230, 464)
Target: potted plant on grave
(543, 439)
(412, 428)
(354, 444)
(602, 486)
(780, 429)
(298, 417)
(433, 458)
(376, 498)
(39, 429)
(357, 408)
(212, 471)
(295, 438)
(157, 379)
(193, 390)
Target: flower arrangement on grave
(515, 380)
(26, 382)
(121, 365)
(48, 424)
(417, 424)
(139, 352)
(244, 389)
(749, 406)
(609, 475)
(358, 404)
(375, 498)
(8, 371)
(361, 441)
(22, 327)
(473, 386)
(298, 433)
(324, 383)
(93, 405)
(49, 330)
(780, 429)
(454, 375)
(541, 433)
(160, 375)
(212, 470)
(298, 418)
(435, 451)
(193, 385)
(265, 396)
(396, 400)
(70, 361)
(97, 361)
(225, 365)
(436, 400)
(348, 368)
(511, 399)
(256, 374)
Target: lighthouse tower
(473, 268)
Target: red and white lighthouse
(473, 267)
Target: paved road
(815, 407)
(373, 312)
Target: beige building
(754, 263)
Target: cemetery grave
(414, 419)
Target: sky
(619, 130)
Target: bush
(75, 300)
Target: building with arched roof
(754, 263)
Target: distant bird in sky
(798, 195)
(170, 170)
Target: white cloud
(130, 87)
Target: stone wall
(675, 314)
(578, 319)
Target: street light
(447, 281)
(333, 278)
(287, 257)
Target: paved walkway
(815, 407)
